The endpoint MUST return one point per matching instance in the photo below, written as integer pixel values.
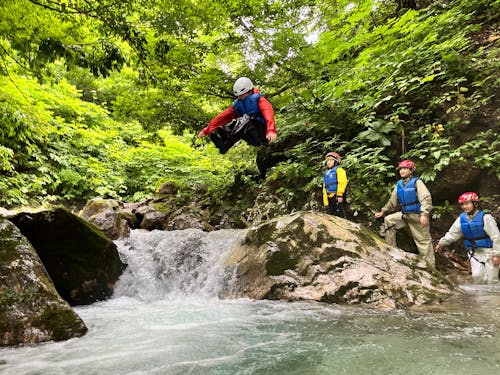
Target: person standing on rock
(250, 117)
(481, 238)
(334, 186)
(414, 199)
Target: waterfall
(177, 263)
(166, 318)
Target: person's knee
(389, 222)
(255, 134)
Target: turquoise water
(166, 319)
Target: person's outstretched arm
(453, 234)
(221, 119)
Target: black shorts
(253, 133)
(337, 209)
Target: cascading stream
(166, 318)
(174, 263)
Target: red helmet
(333, 155)
(469, 196)
(406, 164)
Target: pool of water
(166, 318)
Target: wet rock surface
(82, 262)
(31, 310)
(314, 256)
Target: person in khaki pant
(411, 194)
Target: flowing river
(166, 318)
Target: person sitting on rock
(415, 201)
(481, 238)
(250, 117)
(334, 186)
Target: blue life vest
(249, 106)
(330, 179)
(407, 196)
(473, 231)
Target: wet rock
(152, 219)
(111, 223)
(266, 207)
(167, 188)
(313, 256)
(6, 213)
(189, 217)
(130, 218)
(166, 211)
(106, 214)
(98, 205)
(82, 262)
(31, 310)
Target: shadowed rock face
(314, 256)
(82, 262)
(31, 310)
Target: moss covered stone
(279, 262)
(313, 256)
(368, 237)
(31, 310)
(163, 207)
(82, 262)
(59, 322)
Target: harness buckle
(240, 123)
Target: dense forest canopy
(105, 97)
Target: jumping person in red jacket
(250, 117)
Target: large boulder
(82, 262)
(106, 215)
(111, 223)
(31, 310)
(190, 217)
(97, 205)
(314, 256)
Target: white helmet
(242, 86)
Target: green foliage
(387, 84)
(41, 32)
(484, 151)
(71, 150)
(103, 97)
(379, 132)
(431, 151)
(446, 209)
(6, 155)
(370, 173)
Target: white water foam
(178, 263)
(166, 318)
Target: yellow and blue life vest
(330, 179)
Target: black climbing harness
(239, 125)
(472, 252)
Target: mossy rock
(31, 310)
(314, 256)
(98, 205)
(82, 262)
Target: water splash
(172, 264)
(166, 319)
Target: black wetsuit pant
(337, 209)
(254, 133)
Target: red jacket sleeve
(221, 119)
(268, 113)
